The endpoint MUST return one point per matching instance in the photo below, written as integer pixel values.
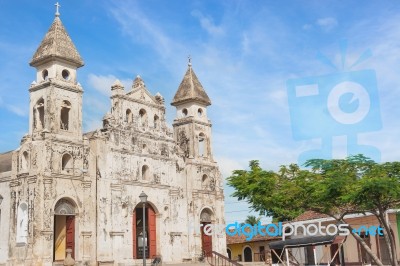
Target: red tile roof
(242, 238)
(310, 215)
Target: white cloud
(142, 29)
(327, 23)
(103, 83)
(227, 165)
(14, 108)
(207, 23)
(20, 111)
(245, 43)
(92, 124)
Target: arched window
(202, 140)
(205, 182)
(144, 148)
(128, 116)
(229, 253)
(145, 172)
(156, 121)
(184, 112)
(67, 163)
(142, 118)
(64, 116)
(38, 115)
(45, 75)
(200, 112)
(22, 223)
(25, 160)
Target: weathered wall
(4, 216)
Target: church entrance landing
(149, 241)
(64, 229)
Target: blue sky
(244, 53)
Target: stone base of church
(138, 262)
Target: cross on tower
(190, 60)
(57, 7)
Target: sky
(288, 80)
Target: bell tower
(192, 129)
(55, 95)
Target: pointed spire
(56, 45)
(190, 89)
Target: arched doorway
(229, 253)
(206, 239)
(64, 229)
(247, 254)
(149, 241)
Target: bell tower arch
(192, 128)
(55, 95)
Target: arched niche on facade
(206, 216)
(22, 223)
(38, 115)
(202, 145)
(64, 115)
(64, 207)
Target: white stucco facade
(69, 189)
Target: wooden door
(206, 241)
(134, 244)
(70, 237)
(59, 237)
(248, 256)
(335, 254)
(152, 232)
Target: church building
(65, 190)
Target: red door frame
(151, 226)
(134, 233)
(70, 236)
(151, 222)
(206, 241)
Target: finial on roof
(138, 82)
(117, 85)
(190, 60)
(57, 9)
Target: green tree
(251, 219)
(334, 187)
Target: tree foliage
(251, 219)
(334, 187)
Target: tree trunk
(360, 240)
(390, 242)
(366, 247)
